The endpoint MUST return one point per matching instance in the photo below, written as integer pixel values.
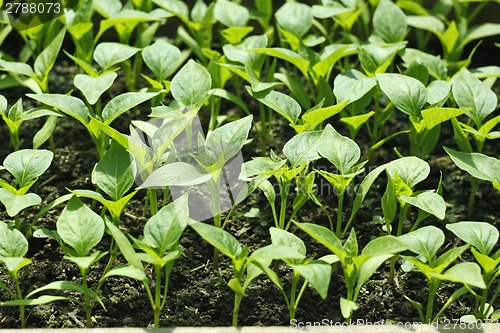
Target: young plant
(245, 267)
(25, 166)
(344, 154)
(358, 267)
(479, 167)
(15, 117)
(425, 243)
(317, 273)
(482, 237)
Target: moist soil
(198, 295)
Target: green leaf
(389, 22)
(315, 117)
(44, 299)
(17, 68)
(347, 307)
(295, 17)
(449, 38)
(407, 94)
(236, 287)
(470, 93)
(124, 102)
(231, 14)
(426, 22)
(368, 268)
(285, 105)
(163, 230)
(324, 236)
(47, 58)
(435, 116)
(384, 245)
(355, 122)
(480, 31)
(412, 170)
(227, 140)
(468, 273)
(437, 93)
(483, 236)
(318, 274)
(303, 147)
(284, 238)
(218, 238)
(79, 227)
(28, 164)
(93, 87)
(69, 105)
(114, 173)
(12, 242)
(352, 85)
(429, 202)
(162, 58)
(126, 248)
(175, 174)
(339, 150)
(84, 263)
(239, 53)
(45, 132)
(477, 165)
(234, 35)
(424, 241)
(288, 55)
(16, 203)
(63, 285)
(191, 84)
(434, 64)
(108, 54)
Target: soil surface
(199, 295)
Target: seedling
(425, 243)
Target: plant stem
(339, 212)
(153, 201)
(236, 309)
(20, 297)
(157, 305)
(17, 222)
(284, 190)
(433, 285)
(88, 308)
(472, 197)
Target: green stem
(157, 305)
(472, 196)
(20, 297)
(284, 190)
(339, 213)
(236, 309)
(433, 285)
(17, 222)
(88, 307)
(153, 201)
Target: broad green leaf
(324, 67)
(177, 7)
(79, 227)
(231, 14)
(389, 22)
(424, 241)
(303, 147)
(234, 35)
(318, 274)
(435, 116)
(316, 116)
(426, 22)
(295, 17)
(488, 264)
(341, 151)
(227, 140)
(434, 64)
(288, 55)
(285, 105)
(69, 105)
(191, 84)
(17, 68)
(114, 173)
(328, 11)
(447, 258)
(352, 85)
(468, 273)
(175, 174)
(28, 164)
(236, 287)
(376, 58)
(368, 268)
(449, 38)
(384, 245)
(238, 53)
(477, 165)
(481, 31)
(108, 54)
(84, 263)
(324, 236)
(412, 170)
(14, 264)
(437, 92)
(16, 203)
(220, 239)
(45, 61)
(93, 87)
(62, 285)
(162, 58)
(470, 93)
(284, 238)
(355, 122)
(347, 307)
(407, 94)
(163, 230)
(429, 202)
(278, 252)
(124, 102)
(483, 236)
(12, 242)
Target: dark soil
(198, 295)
